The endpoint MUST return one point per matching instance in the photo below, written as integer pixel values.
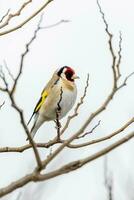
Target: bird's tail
(33, 131)
(37, 123)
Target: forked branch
(11, 16)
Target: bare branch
(9, 72)
(35, 176)
(63, 145)
(23, 123)
(79, 163)
(27, 46)
(88, 133)
(114, 89)
(125, 81)
(77, 107)
(102, 139)
(26, 147)
(3, 78)
(108, 180)
(13, 102)
(17, 184)
(2, 105)
(119, 57)
(4, 16)
(3, 89)
(11, 16)
(104, 20)
(26, 20)
(49, 144)
(11, 96)
(58, 104)
(55, 141)
(110, 46)
(56, 24)
(58, 112)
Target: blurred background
(82, 44)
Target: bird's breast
(67, 102)
(60, 96)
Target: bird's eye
(69, 74)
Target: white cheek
(63, 76)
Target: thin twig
(2, 104)
(27, 46)
(21, 115)
(110, 35)
(125, 81)
(47, 145)
(67, 143)
(89, 132)
(55, 24)
(58, 112)
(11, 94)
(27, 20)
(26, 147)
(75, 114)
(119, 56)
(18, 13)
(24, 125)
(9, 72)
(27, 50)
(50, 143)
(5, 15)
(108, 178)
(3, 78)
(13, 102)
(105, 138)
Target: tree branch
(89, 132)
(35, 176)
(11, 16)
(75, 114)
(102, 139)
(58, 112)
(13, 102)
(5, 15)
(108, 180)
(124, 83)
(2, 105)
(27, 20)
(119, 57)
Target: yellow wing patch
(41, 101)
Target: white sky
(82, 44)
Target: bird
(58, 95)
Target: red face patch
(69, 73)
(70, 70)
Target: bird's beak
(75, 77)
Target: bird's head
(67, 73)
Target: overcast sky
(82, 44)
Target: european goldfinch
(61, 92)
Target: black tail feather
(30, 119)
